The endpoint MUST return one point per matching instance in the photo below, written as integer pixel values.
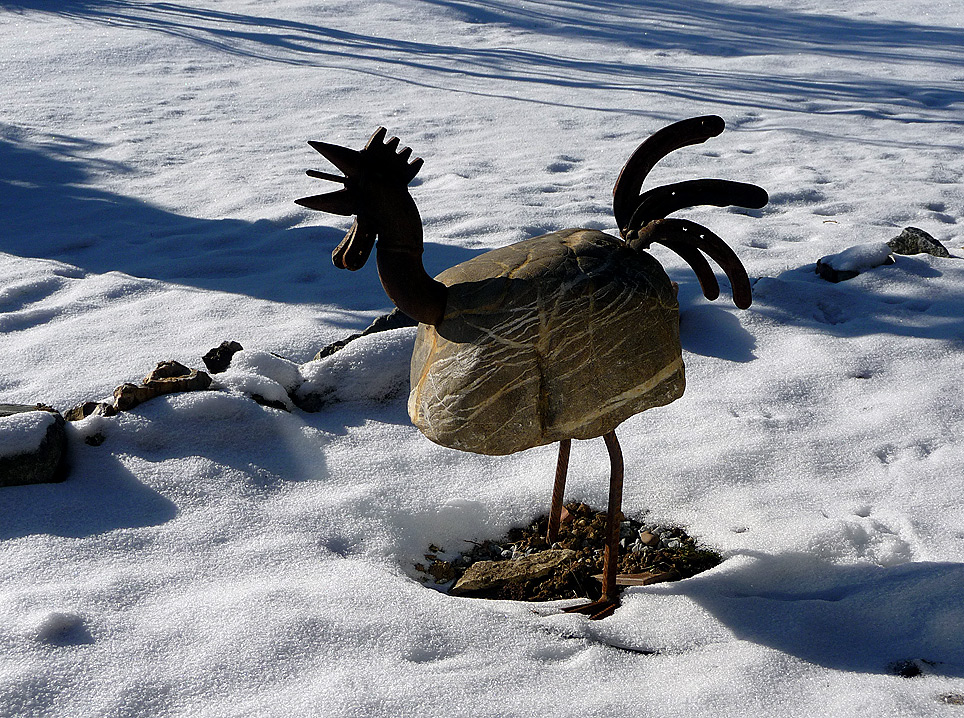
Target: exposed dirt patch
(643, 548)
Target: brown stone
(167, 370)
(90, 408)
(561, 336)
(484, 576)
(166, 378)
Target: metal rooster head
(379, 167)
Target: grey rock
(826, 271)
(916, 241)
(854, 260)
(648, 538)
(487, 575)
(46, 461)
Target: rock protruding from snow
(90, 408)
(166, 378)
(854, 260)
(218, 359)
(396, 319)
(916, 241)
(372, 368)
(33, 445)
(487, 575)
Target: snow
(860, 257)
(216, 557)
(24, 432)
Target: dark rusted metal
(609, 601)
(381, 169)
(659, 202)
(378, 157)
(558, 489)
(700, 267)
(661, 143)
(410, 288)
(677, 233)
(353, 251)
(613, 515)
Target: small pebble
(648, 538)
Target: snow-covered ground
(215, 557)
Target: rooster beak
(356, 247)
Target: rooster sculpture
(554, 338)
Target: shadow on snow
(702, 29)
(864, 618)
(51, 211)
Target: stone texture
(854, 260)
(485, 576)
(560, 336)
(90, 408)
(826, 271)
(917, 241)
(46, 462)
(166, 378)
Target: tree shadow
(863, 618)
(705, 28)
(52, 211)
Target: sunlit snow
(217, 557)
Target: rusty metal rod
(613, 516)
(675, 233)
(558, 489)
(659, 202)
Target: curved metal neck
(398, 254)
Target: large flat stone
(484, 576)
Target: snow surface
(24, 432)
(860, 257)
(215, 557)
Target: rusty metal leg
(609, 601)
(613, 516)
(558, 489)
